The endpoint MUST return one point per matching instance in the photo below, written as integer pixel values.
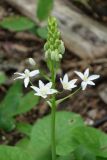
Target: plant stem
(53, 114)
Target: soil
(15, 48)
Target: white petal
(91, 83)
(26, 82)
(71, 85)
(84, 85)
(65, 79)
(41, 95)
(35, 88)
(52, 91)
(49, 85)
(73, 81)
(20, 77)
(41, 84)
(34, 73)
(86, 72)
(93, 77)
(20, 74)
(27, 71)
(80, 74)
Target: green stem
(53, 114)
(53, 117)
(70, 95)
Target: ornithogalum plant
(54, 50)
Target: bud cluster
(54, 47)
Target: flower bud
(32, 61)
(54, 47)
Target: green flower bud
(54, 47)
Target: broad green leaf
(16, 23)
(2, 77)
(92, 139)
(27, 102)
(67, 157)
(42, 32)
(103, 144)
(87, 137)
(14, 153)
(24, 128)
(65, 122)
(44, 8)
(82, 153)
(9, 106)
(11, 100)
(23, 143)
(7, 123)
(100, 158)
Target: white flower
(26, 76)
(86, 79)
(44, 90)
(68, 85)
(32, 61)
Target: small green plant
(14, 104)
(17, 23)
(60, 135)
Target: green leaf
(24, 128)
(23, 143)
(87, 137)
(82, 153)
(2, 77)
(40, 136)
(7, 123)
(42, 32)
(92, 139)
(67, 157)
(16, 23)
(27, 103)
(11, 100)
(14, 153)
(9, 105)
(44, 8)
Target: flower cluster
(54, 47)
(46, 89)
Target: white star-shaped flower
(26, 76)
(44, 90)
(86, 79)
(68, 85)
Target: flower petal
(65, 78)
(52, 91)
(93, 77)
(86, 72)
(41, 84)
(26, 71)
(49, 85)
(84, 85)
(91, 83)
(20, 77)
(20, 74)
(80, 74)
(26, 82)
(34, 73)
(41, 95)
(35, 88)
(73, 81)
